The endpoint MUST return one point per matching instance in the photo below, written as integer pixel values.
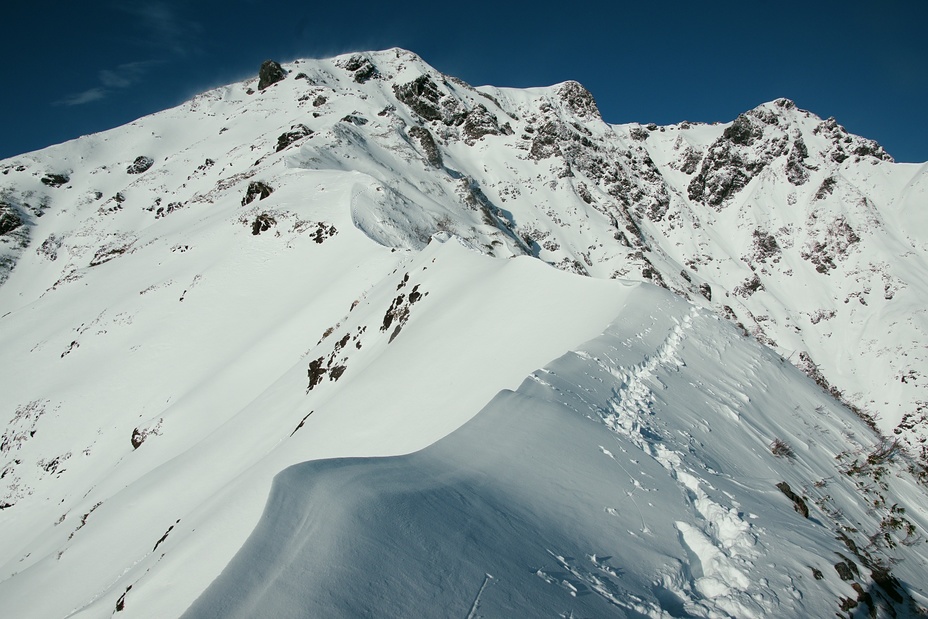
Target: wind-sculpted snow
(632, 478)
(392, 354)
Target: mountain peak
(264, 288)
(579, 100)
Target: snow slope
(355, 261)
(630, 478)
(215, 445)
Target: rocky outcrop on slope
(297, 132)
(10, 218)
(844, 145)
(257, 190)
(745, 148)
(422, 96)
(427, 143)
(432, 102)
(15, 234)
(270, 73)
(141, 164)
(579, 100)
(360, 67)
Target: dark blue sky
(72, 68)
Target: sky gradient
(78, 68)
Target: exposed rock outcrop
(427, 144)
(141, 164)
(55, 180)
(362, 68)
(421, 96)
(478, 123)
(262, 223)
(296, 133)
(270, 73)
(257, 190)
(10, 219)
(579, 100)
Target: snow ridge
(573, 518)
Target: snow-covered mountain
(327, 293)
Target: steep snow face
(633, 477)
(267, 276)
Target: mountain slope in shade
(631, 478)
(237, 418)
(264, 277)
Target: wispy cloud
(87, 96)
(126, 74)
(161, 31)
(163, 28)
(111, 80)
